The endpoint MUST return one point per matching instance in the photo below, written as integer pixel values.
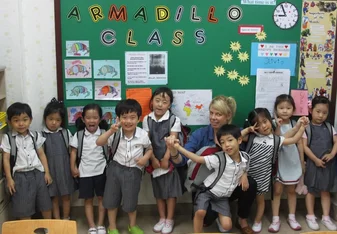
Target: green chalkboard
(190, 64)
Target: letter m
(116, 14)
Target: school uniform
(28, 175)
(59, 163)
(124, 176)
(93, 162)
(167, 185)
(261, 157)
(219, 195)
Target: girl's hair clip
(56, 101)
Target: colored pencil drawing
(77, 49)
(78, 90)
(77, 68)
(106, 69)
(107, 90)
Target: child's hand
(141, 161)
(155, 163)
(253, 129)
(303, 121)
(319, 163)
(278, 122)
(11, 186)
(48, 178)
(327, 157)
(164, 163)
(114, 127)
(244, 182)
(172, 142)
(75, 172)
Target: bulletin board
(207, 45)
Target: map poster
(191, 106)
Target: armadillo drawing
(105, 69)
(108, 89)
(77, 90)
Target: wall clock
(285, 15)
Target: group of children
(108, 162)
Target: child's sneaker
(114, 231)
(135, 230)
(274, 227)
(294, 224)
(92, 231)
(159, 226)
(257, 227)
(329, 224)
(312, 223)
(101, 230)
(168, 227)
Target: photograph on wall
(107, 90)
(74, 112)
(106, 69)
(109, 114)
(78, 90)
(77, 49)
(79, 68)
(146, 68)
(317, 46)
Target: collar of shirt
(136, 133)
(15, 133)
(97, 133)
(166, 116)
(230, 160)
(271, 136)
(46, 130)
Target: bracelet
(175, 156)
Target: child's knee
(200, 213)
(226, 223)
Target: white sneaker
(220, 227)
(329, 224)
(159, 226)
(312, 224)
(294, 224)
(257, 227)
(168, 227)
(274, 227)
(92, 231)
(101, 230)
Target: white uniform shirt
(230, 177)
(131, 148)
(26, 158)
(93, 161)
(175, 128)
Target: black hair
(284, 98)
(228, 129)
(17, 109)
(254, 115)
(127, 106)
(319, 100)
(162, 91)
(53, 107)
(92, 106)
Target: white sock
(291, 216)
(276, 219)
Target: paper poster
(269, 84)
(77, 49)
(258, 2)
(301, 101)
(250, 29)
(109, 114)
(146, 68)
(74, 112)
(143, 96)
(317, 48)
(77, 68)
(107, 90)
(274, 56)
(106, 69)
(191, 106)
(78, 90)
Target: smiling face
(91, 120)
(53, 121)
(129, 122)
(230, 145)
(160, 104)
(284, 110)
(217, 119)
(21, 123)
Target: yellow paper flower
(235, 46)
(232, 75)
(243, 56)
(226, 57)
(261, 36)
(243, 80)
(219, 71)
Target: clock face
(285, 15)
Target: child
(56, 147)
(124, 172)
(261, 154)
(229, 137)
(25, 165)
(91, 163)
(320, 173)
(166, 187)
(289, 164)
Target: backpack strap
(293, 123)
(65, 135)
(277, 141)
(114, 145)
(250, 142)
(80, 138)
(308, 133)
(329, 127)
(105, 147)
(222, 165)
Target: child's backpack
(14, 150)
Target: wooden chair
(40, 226)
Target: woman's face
(217, 119)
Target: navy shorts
(89, 186)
